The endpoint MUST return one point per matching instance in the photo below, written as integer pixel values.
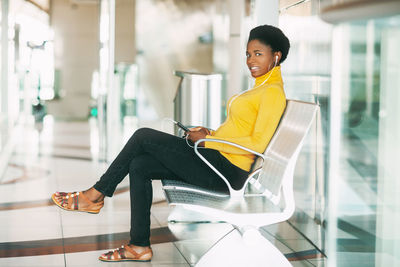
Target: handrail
(232, 192)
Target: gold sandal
(119, 254)
(74, 198)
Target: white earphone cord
(229, 106)
(272, 70)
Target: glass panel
(306, 74)
(364, 182)
(106, 96)
(1, 95)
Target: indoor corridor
(58, 156)
(79, 77)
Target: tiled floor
(34, 232)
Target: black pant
(149, 155)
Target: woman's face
(260, 58)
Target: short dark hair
(272, 36)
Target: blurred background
(109, 64)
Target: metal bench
(270, 201)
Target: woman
(149, 154)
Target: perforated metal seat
(247, 204)
(179, 185)
(273, 201)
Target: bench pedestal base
(233, 250)
(181, 215)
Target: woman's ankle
(138, 249)
(94, 195)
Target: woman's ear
(277, 59)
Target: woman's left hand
(197, 134)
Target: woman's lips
(254, 69)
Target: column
(4, 58)
(266, 12)
(388, 208)
(106, 75)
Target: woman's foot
(128, 253)
(90, 200)
(92, 194)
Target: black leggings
(149, 155)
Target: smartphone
(180, 125)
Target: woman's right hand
(197, 133)
(200, 129)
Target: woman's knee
(139, 135)
(142, 132)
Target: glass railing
(307, 77)
(114, 113)
(365, 171)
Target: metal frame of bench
(271, 199)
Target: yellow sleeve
(272, 106)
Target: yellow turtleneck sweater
(252, 120)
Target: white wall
(76, 35)
(76, 40)
(167, 39)
(125, 47)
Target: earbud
(276, 59)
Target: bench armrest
(232, 191)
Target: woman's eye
(258, 54)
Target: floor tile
(120, 201)
(303, 263)
(282, 231)
(27, 191)
(76, 175)
(107, 221)
(277, 243)
(348, 259)
(196, 239)
(319, 262)
(193, 250)
(161, 212)
(28, 182)
(199, 231)
(30, 224)
(297, 244)
(39, 261)
(164, 255)
(158, 194)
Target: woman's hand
(197, 133)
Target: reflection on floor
(34, 232)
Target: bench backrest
(287, 140)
